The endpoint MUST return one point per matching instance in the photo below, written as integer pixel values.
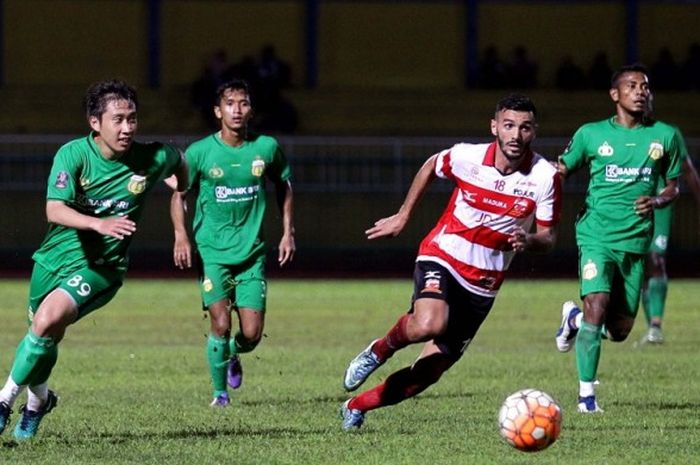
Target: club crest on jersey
(656, 150)
(215, 172)
(137, 184)
(605, 150)
(61, 180)
(207, 285)
(258, 167)
(590, 270)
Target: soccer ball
(529, 420)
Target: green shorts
(621, 274)
(244, 285)
(90, 288)
(663, 218)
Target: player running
(502, 188)
(96, 192)
(228, 170)
(627, 155)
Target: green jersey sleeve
(65, 175)
(279, 169)
(575, 156)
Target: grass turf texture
(134, 387)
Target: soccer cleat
(234, 372)
(352, 418)
(5, 412)
(654, 335)
(30, 420)
(588, 404)
(220, 401)
(361, 367)
(566, 332)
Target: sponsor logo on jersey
(137, 184)
(61, 180)
(207, 285)
(225, 193)
(656, 150)
(495, 202)
(615, 173)
(432, 282)
(521, 208)
(215, 172)
(605, 150)
(258, 167)
(523, 192)
(469, 197)
(99, 205)
(590, 270)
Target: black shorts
(467, 310)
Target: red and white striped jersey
(471, 237)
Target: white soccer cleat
(566, 334)
(588, 404)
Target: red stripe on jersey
(480, 234)
(495, 202)
(447, 164)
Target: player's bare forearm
(117, 226)
(692, 180)
(393, 225)
(541, 241)
(645, 205)
(285, 201)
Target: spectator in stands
(203, 90)
(691, 68)
(272, 71)
(492, 70)
(665, 72)
(522, 71)
(570, 76)
(600, 71)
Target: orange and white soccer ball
(530, 420)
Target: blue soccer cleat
(361, 367)
(30, 420)
(234, 372)
(220, 401)
(566, 333)
(5, 412)
(588, 404)
(352, 418)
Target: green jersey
(92, 185)
(625, 164)
(231, 202)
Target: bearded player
(501, 190)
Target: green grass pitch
(134, 388)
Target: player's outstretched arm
(117, 226)
(393, 225)
(285, 201)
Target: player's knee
(426, 328)
(617, 334)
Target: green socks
(35, 357)
(654, 299)
(588, 351)
(218, 354)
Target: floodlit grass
(133, 383)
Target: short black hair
(633, 68)
(516, 102)
(101, 93)
(233, 84)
